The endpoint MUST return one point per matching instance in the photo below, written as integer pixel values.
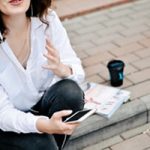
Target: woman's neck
(15, 24)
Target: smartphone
(79, 116)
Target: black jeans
(65, 94)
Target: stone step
(96, 128)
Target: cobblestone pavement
(121, 32)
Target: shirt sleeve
(61, 42)
(12, 119)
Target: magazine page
(105, 99)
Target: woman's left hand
(54, 62)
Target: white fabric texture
(20, 88)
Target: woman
(39, 72)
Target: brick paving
(121, 32)
(115, 33)
(71, 8)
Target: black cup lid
(115, 63)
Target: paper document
(104, 98)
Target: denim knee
(65, 94)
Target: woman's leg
(14, 141)
(65, 94)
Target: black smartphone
(79, 116)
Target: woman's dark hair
(37, 9)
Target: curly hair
(38, 8)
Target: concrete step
(96, 128)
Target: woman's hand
(54, 62)
(55, 125)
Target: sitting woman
(39, 77)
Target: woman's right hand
(55, 125)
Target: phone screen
(77, 115)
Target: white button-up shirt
(21, 88)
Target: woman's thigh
(65, 94)
(14, 141)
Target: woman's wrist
(42, 125)
(63, 71)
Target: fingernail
(69, 111)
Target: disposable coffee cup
(116, 68)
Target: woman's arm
(61, 43)
(12, 119)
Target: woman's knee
(70, 92)
(65, 94)
(69, 89)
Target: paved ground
(121, 32)
(135, 139)
(72, 8)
